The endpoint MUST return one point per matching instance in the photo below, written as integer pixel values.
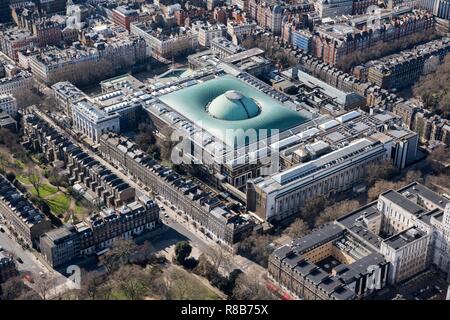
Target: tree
(204, 267)
(256, 248)
(13, 289)
(7, 138)
(27, 97)
(297, 229)
(312, 208)
(50, 104)
(441, 180)
(36, 180)
(221, 258)
(91, 283)
(105, 291)
(434, 89)
(335, 211)
(412, 175)
(144, 255)
(182, 251)
(159, 285)
(119, 254)
(180, 286)
(382, 186)
(440, 154)
(231, 283)
(166, 147)
(248, 287)
(132, 281)
(44, 285)
(380, 170)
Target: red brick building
(124, 15)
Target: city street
(28, 263)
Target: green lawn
(196, 291)
(79, 209)
(59, 204)
(35, 159)
(23, 179)
(19, 164)
(166, 163)
(45, 190)
(118, 295)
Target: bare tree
(13, 289)
(27, 98)
(91, 283)
(119, 254)
(105, 291)
(248, 287)
(256, 248)
(180, 287)
(297, 229)
(221, 259)
(43, 286)
(381, 186)
(132, 281)
(204, 267)
(376, 171)
(440, 154)
(36, 180)
(336, 211)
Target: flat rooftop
(403, 202)
(403, 238)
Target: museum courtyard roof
(225, 103)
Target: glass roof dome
(232, 106)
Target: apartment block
(99, 231)
(26, 221)
(328, 264)
(205, 209)
(382, 243)
(91, 121)
(14, 40)
(333, 43)
(66, 94)
(207, 32)
(403, 69)
(8, 104)
(166, 45)
(19, 82)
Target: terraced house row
(98, 232)
(106, 188)
(124, 215)
(26, 221)
(219, 221)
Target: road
(33, 266)
(30, 262)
